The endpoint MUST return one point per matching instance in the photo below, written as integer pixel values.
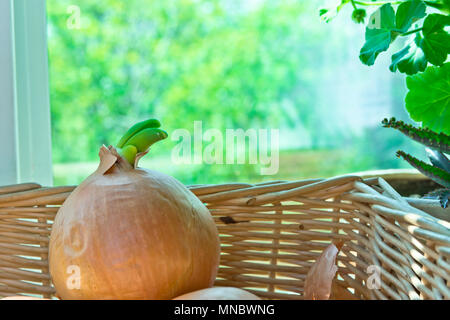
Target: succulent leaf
(425, 136)
(436, 174)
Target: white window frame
(25, 155)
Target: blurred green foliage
(179, 61)
(232, 64)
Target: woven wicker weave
(271, 234)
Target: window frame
(25, 86)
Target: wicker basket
(271, 234)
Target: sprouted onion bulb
(132, 233)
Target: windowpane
(224, 65)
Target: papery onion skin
(319, 279)
(132, 234)
(219, 293)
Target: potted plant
(423, 59)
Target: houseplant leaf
(407, 13)
(379, 34)
(436, 41)
(410, 59)
(428, 99)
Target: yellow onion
(132, 233)
(218, 293)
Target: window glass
(271, 68)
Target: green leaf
(436, 47)
(323, 11)
(436, 41)
(409, 12)
(383, 18)
(438, 175)
(446, 6)
(435, 22)
(377, 41)
(443, 6)
(437, 141)
(379, 34)
(428, 99)
(410, 59)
